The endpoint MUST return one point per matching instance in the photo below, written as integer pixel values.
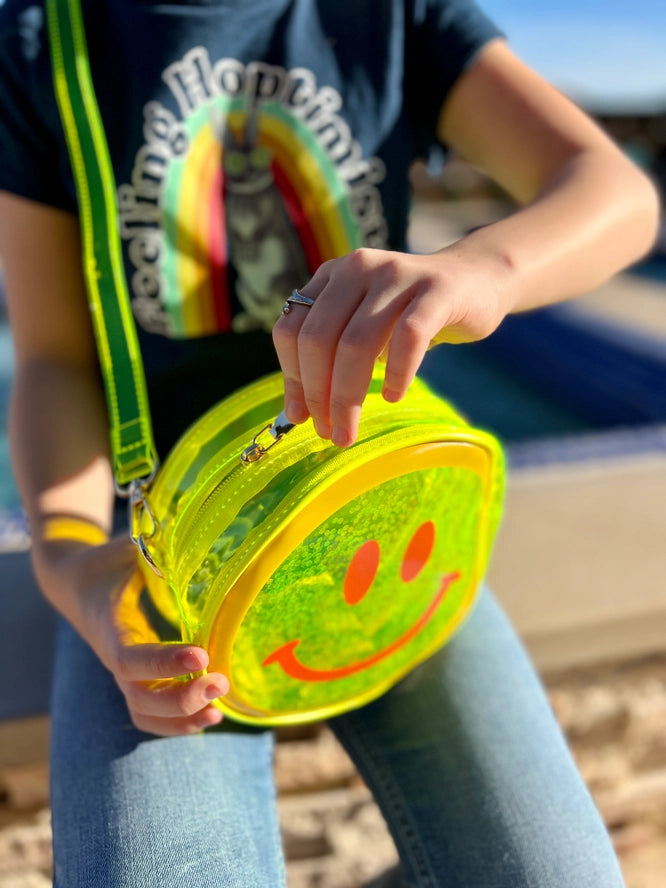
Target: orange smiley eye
(418, 551)
(361, 572)
(364, 565)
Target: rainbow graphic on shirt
(249, 178)
(315, 198)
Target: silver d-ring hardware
(141, 543)
(138, 506)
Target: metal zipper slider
(272, 434)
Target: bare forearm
(60, 454)
(592, 216)
(597, 216)
(587, 212)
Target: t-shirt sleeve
(32, 149)
(443, 38)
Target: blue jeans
(463, 757)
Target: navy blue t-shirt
(251, 140)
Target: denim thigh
(473, 775)
(131, 810)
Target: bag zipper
(176, 465)
(304, 491)
(226, 466)
(300, 442)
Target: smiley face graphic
(360, 575)
(370, 591)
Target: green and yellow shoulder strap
(132, 446)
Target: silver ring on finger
(296, 298)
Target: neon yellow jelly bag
(315, 577)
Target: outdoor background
(578, 395)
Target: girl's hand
(155, 679)
(374, 303)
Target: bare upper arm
(505, 119)
(41, 260)
(59, 427)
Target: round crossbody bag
(315, 577)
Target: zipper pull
(271, 433)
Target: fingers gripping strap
(117, 344)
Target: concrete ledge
(24, 741)
(28, 624)
(580, 561)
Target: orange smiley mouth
(285, 657)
